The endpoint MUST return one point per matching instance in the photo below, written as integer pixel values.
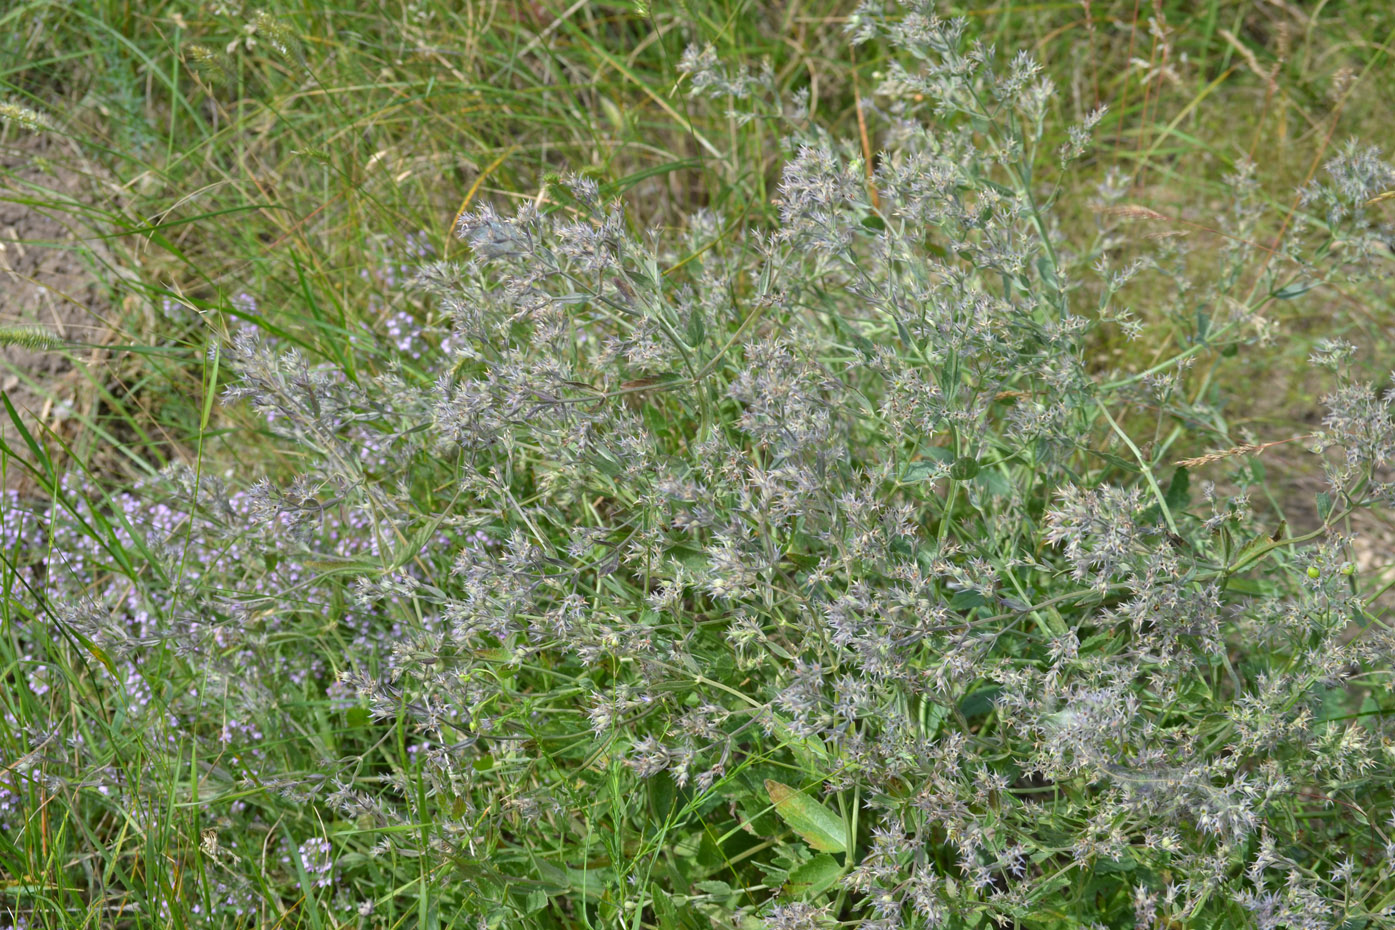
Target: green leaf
(1297, 289)
(613, 189)
(964, 468)
(697, 331)
(210, 392)
(814, 877)
(1249, 549)
(756, 816)
(808, 750)
(815, 824)
(934, 716)
(923, 468)
(994, 482)
(714, 887)
(1112, 459)
(966, 600)
(1254, 587)
(979, 703)
(918, 471)
(1324, 506)
(664, 911)
(98, 654)
(418, 541)
(663, 793)
(39, 454)
(1178, 489)
(1106, 866)
(606, 465)
(693, 559)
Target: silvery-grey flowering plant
(811, 575)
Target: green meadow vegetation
(652, 465)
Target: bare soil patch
(56, 272)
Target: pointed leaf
(1297, 289)
(816, 825)
(814, 877)
(1179, 491)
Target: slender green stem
(1147, 469)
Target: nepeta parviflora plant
(811, 576)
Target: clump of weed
(792, 577)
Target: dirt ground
(56, 272)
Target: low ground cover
(729, 465)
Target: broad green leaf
(664, 911)
(815, 824)
(918, 471)
(994, 482)
(964, 468)
(966, 600)
(1179, 490)
(814, 877)
(980, 702)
